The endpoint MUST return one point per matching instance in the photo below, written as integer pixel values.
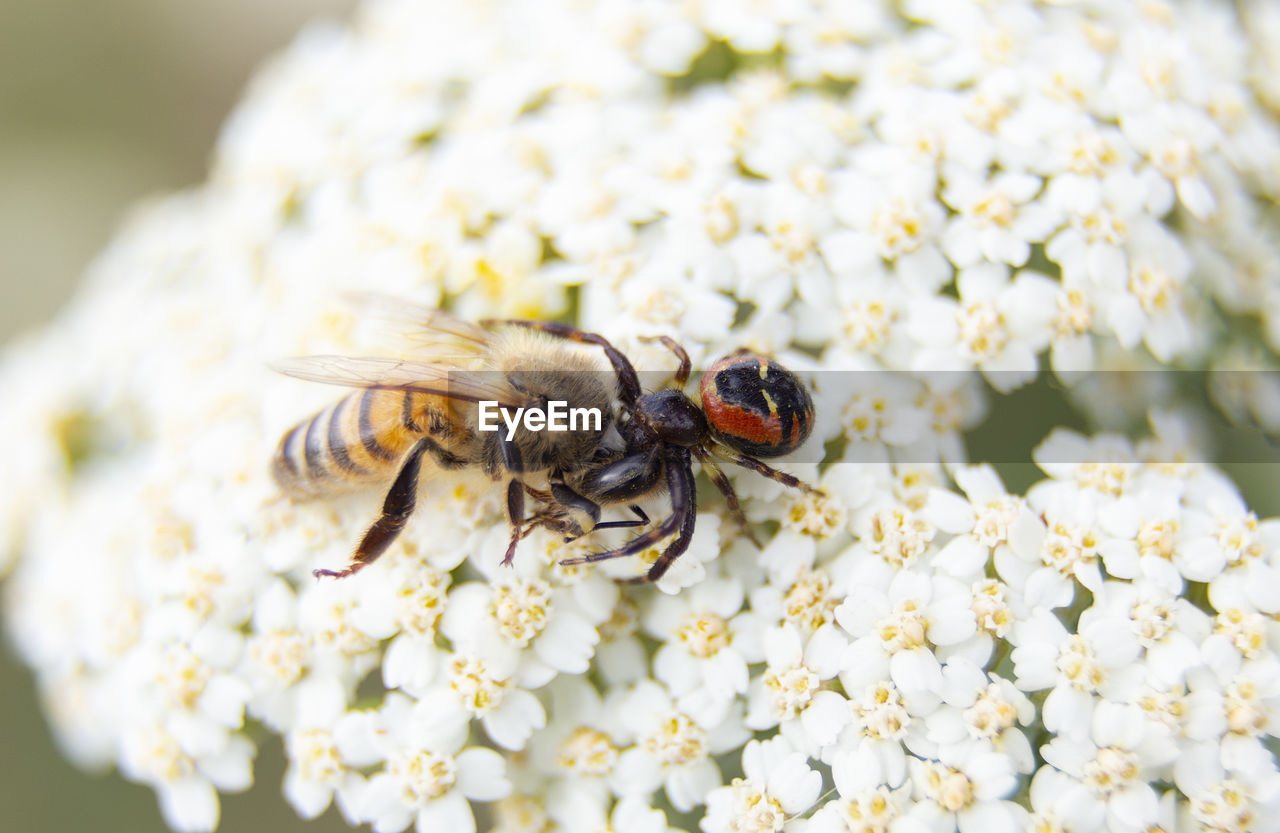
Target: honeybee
(444, 407)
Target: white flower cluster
(928, 185)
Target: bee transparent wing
(403, 374)
(424, 328)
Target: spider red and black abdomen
(756, 405)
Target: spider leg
(680, 484)
(622, 367)
(398, 505)
(683, 516)
(628, 524)
(682, 374)
(718, 477)
(685, 506)
(730, 456)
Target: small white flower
(630, 814)
(871, 799)
(1091, 243)
(750, 27)
(998, 325)
(582, 739)
(998, 220)
(894, 630)
(893, 534)
(483, 688)
(965, 792)
(868, 310)
(412, 658)
(707, 645)
(325, 747)
(982, 710)
(427, 776)
(1078, 667)
(882, 409)
(1111, 767)
(777, 785)
(522, 621)
(1167, 630)
(791, 690)
(1174, 139)
(671, 749)
(894, 216)
(186, 786)
(991, 519)
(1223, 800)
(826, 40)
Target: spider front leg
(628, 381)
(682, 373)
(679, 468)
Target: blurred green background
(100, 105)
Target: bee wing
(425, 328)
(403, 374)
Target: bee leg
(768, 471)
(512, 460)
(515, 513)
(398, 505)
(537, 494)
(556, 525)
(718, 477)
(682, 374)
(622, 367)
(684, 512)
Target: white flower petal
(449, 812)
(189, 805)
(515, 720)
(567, 643)
(482, 774)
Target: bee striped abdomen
(359, 439)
